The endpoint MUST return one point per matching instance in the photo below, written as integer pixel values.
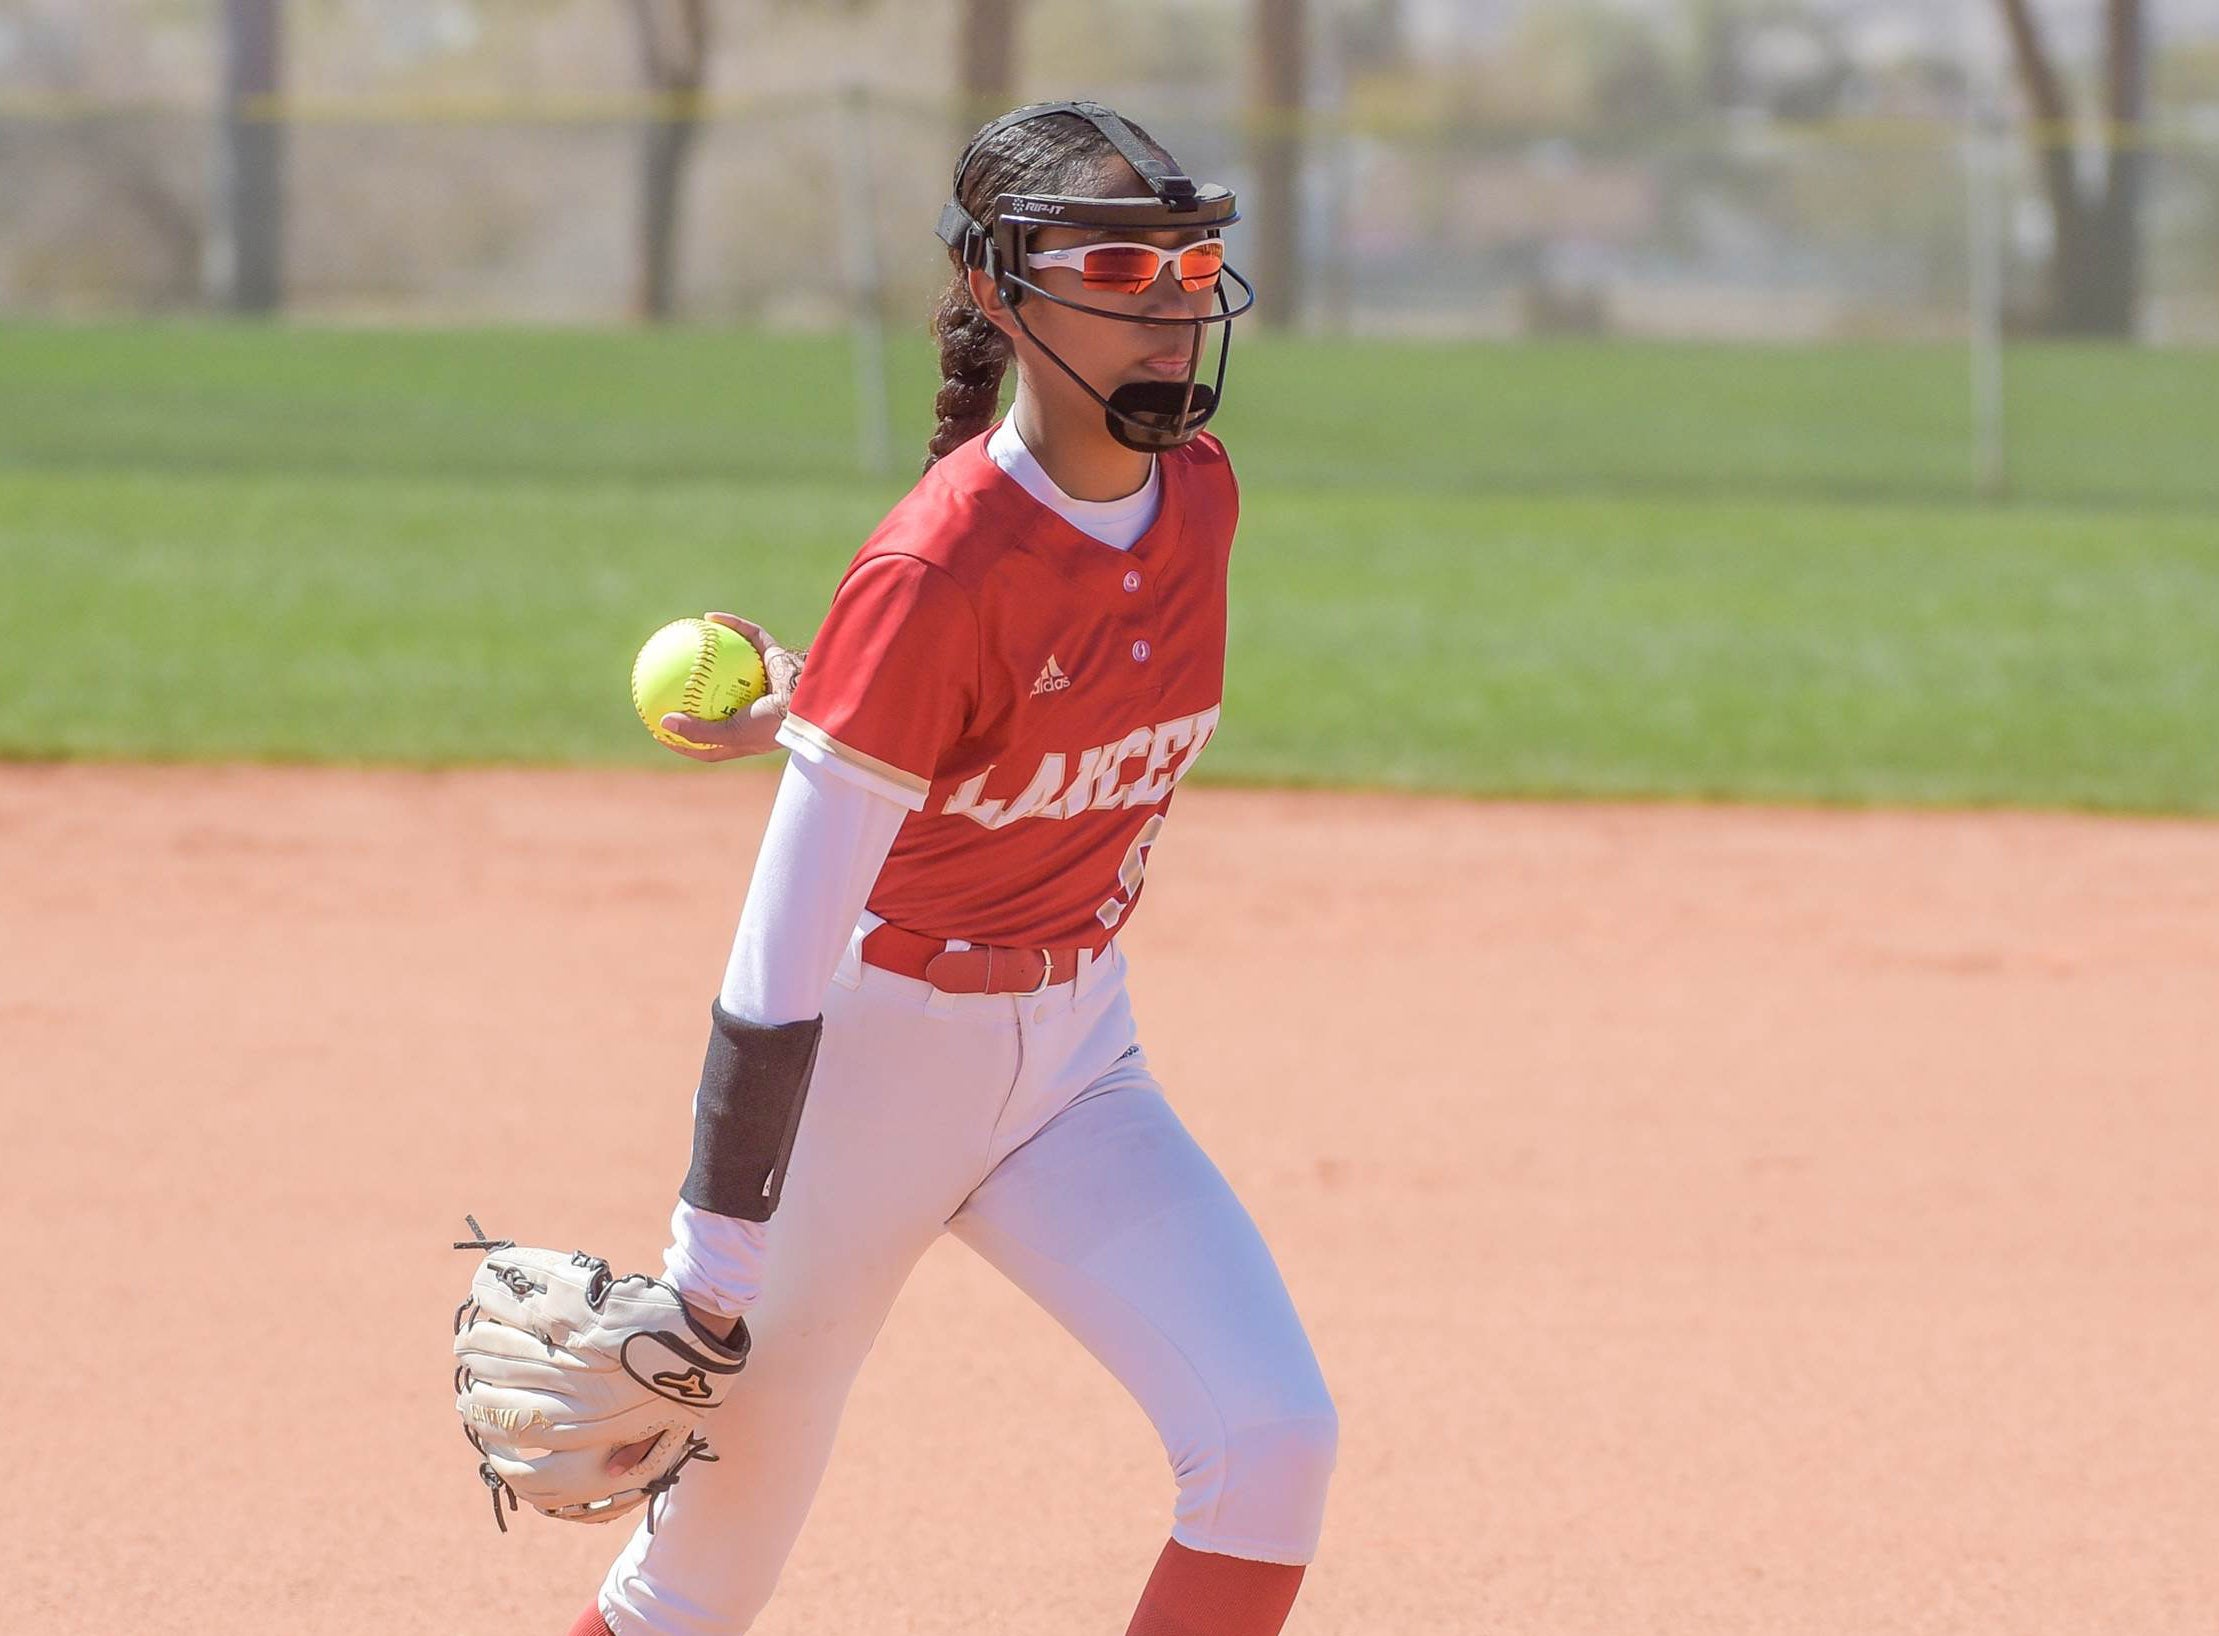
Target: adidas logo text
(1051, 678)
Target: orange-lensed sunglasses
(1129, 269)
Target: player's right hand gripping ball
(698, 667)
(559, 1364)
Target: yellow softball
(696, 666)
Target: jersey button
(1141, 650)
(1132, 579)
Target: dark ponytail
(973, 356)
(1059, 153)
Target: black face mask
(1145, 415)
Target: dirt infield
(1710, 1221)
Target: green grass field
(1539, 569)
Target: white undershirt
(1113, 522)
(830, 828)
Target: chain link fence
(1836, 268)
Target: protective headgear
(1143, 415)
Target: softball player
(924, 1025)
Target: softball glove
(559, 1364)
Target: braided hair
(1058, 153)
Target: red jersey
(1032, 693)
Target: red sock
(1198, 1593)
(590, 1623)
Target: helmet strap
(1149, 416)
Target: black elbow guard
(746, 1112)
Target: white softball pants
(1032, 1129)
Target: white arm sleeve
(826, 841)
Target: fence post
(250, 259)
(866, 292)
(1338, 137)
(1983, 159)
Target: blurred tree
(674, 52)
(121, 202)
(1369, 34)
(1713, 26)
(1635, 85)
(2095, 271)
(1279, 61)
(985, 60)
(254, 152)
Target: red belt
(972, 970)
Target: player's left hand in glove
(563, 1371)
